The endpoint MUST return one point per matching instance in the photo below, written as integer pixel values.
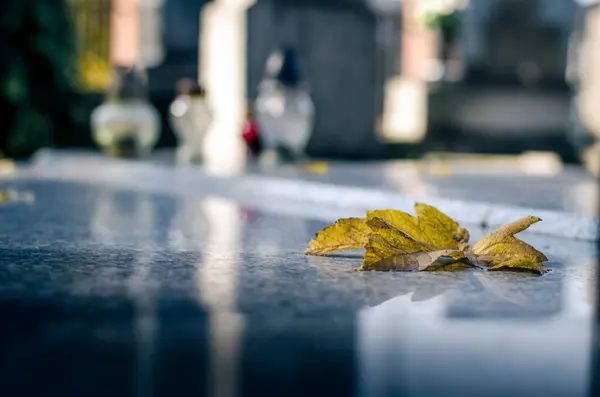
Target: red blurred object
(251, 135)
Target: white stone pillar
(223, 73)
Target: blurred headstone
(337, 41)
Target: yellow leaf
(345, 234)
(520, 264)
(427, 228)
(390, 248)
(417, 261)
(512, 247)
(501, 234)
(378, 249)
(501, 250)
(447, 229)
(386, 240)
(439, 238)
(396, 237)
(316, 167)
(403, 221)
(430, 241)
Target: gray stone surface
(476, 193)
(124, 278)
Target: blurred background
(385, 78)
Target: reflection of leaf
(16, 196)
(441, 284)
(373, 289)
(345, 234)
(500, 289)
(500, 250)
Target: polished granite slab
(565, 197)
(533, 179)
(113, 290)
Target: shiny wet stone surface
(106, 290)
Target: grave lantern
(284, 108)
(190, 117)
(126, 124)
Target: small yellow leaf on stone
(345, 234)
(316, 167)
(7, 166)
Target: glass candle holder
(126, 124)
(284, 108)
(190, 117)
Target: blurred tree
(38, 97)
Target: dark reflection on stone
(510, 295)
(68, 347)
(471, 293)
(180, 351)
(306, 357)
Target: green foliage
(38, 97)
(447, 23)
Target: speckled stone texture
(171, 286)
(475, 194)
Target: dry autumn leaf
(501, 250)
(520, 264)
(501, 234)
(419, 261)
(444, 225)
(345, 234)
(429, 226)
(389, 248)
(397, 241)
